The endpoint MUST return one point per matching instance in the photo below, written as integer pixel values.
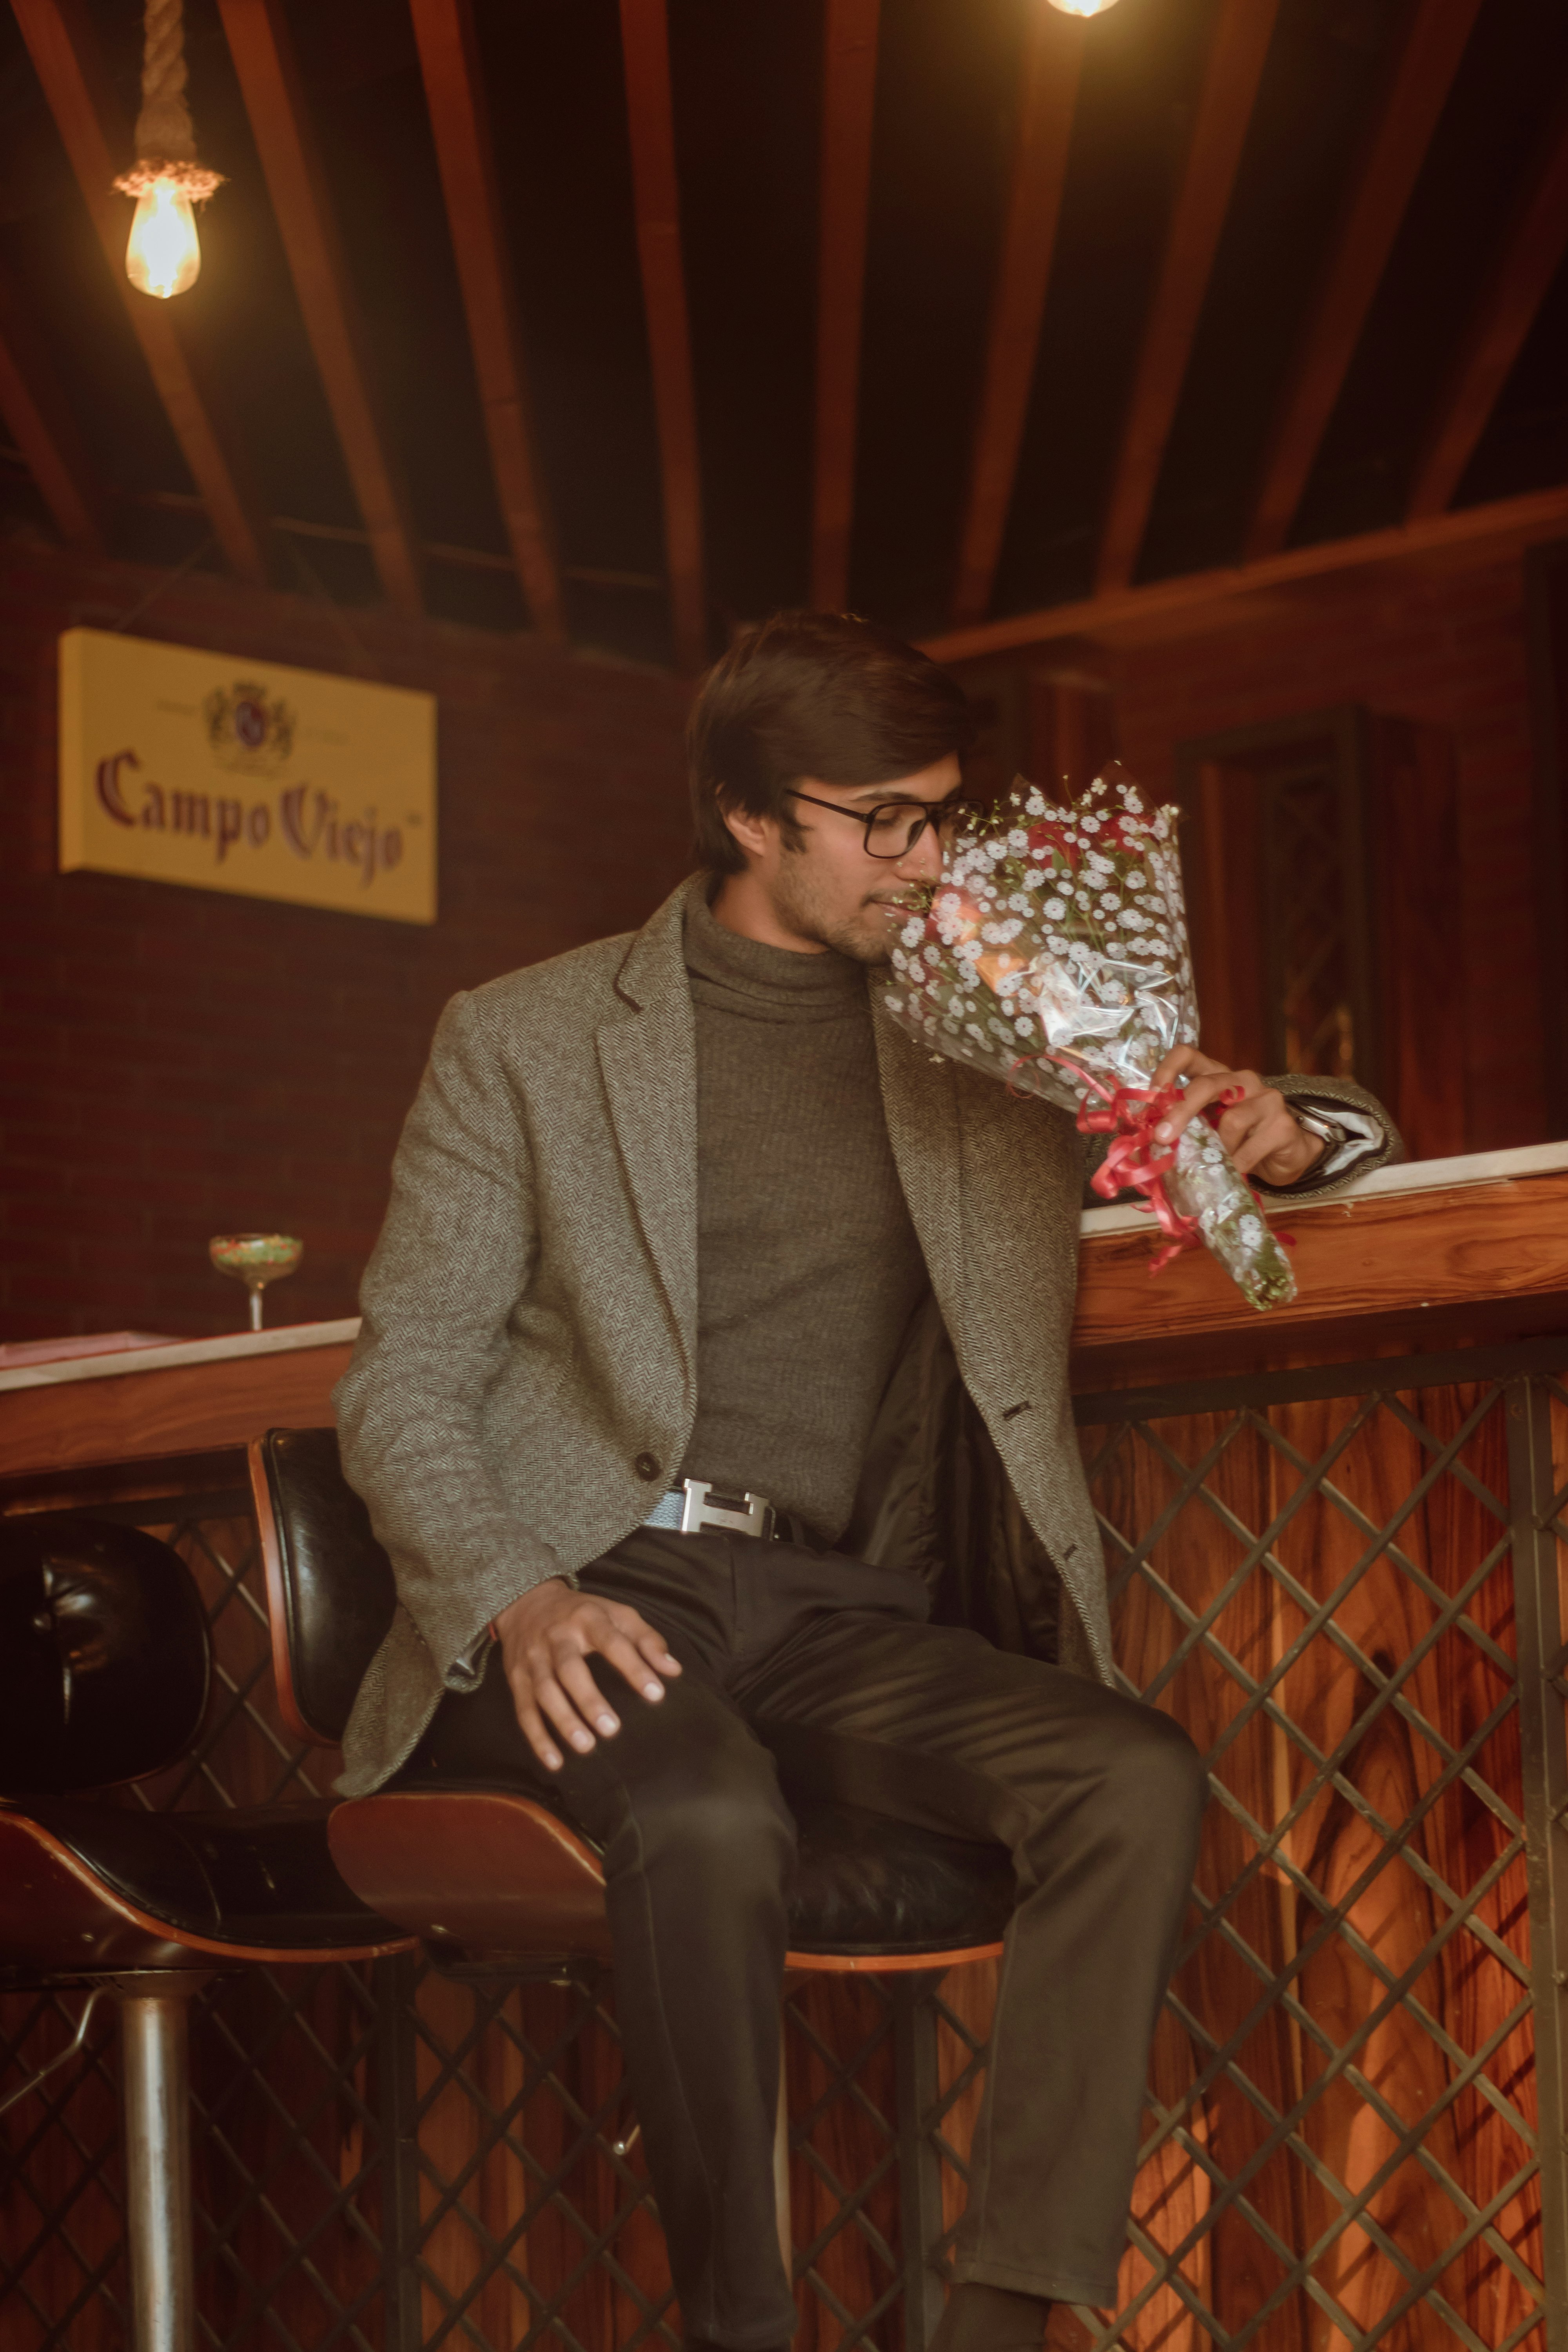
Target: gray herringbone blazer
(525, 1378)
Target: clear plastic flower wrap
(1053, 952)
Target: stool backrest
(330, 1587)
(104, 1656)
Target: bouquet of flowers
(1053, 952)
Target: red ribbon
(1136, 1160)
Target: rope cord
(165, 132)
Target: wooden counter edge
(180, 1409)
(1376, 1274)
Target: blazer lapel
(648, 1059)
(920, 1100)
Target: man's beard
(866, 935)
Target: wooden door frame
(1347, 727)
(1545, 579)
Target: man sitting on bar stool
(649, 1408)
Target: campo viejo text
(307, 819)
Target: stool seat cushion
(86, 1886)
(492, 1873)
(866, 1884)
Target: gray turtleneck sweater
(807, 1264)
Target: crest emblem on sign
(246, 729)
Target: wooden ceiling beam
(849, 103)
(33, 406)
(1049, 97)
(263, 52)
(1391, 164)
(465, 152)
(1234, 68)
(1508, 522)
(650, 116)
(1515, 290)
(64, 50)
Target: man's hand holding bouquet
(1053, 952)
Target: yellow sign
(229, 774)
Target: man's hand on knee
(546, 1638)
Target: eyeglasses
(893, 828)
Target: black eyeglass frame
(936, 812)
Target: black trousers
(826, 1666)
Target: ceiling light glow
(164, 255)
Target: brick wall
(175, 1063)
(1445, 645)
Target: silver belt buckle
(748, 1514)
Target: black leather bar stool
(104, 1666)
(487, 1876)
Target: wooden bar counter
(1433, 1256)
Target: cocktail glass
(256, 1259)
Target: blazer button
(647, 1468)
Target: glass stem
(255, 1290)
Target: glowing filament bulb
(164, 255)
(1083, 8)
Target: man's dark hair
(812, 693)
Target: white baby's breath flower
(934, 955)
(972, 1029)
(1054, 909)
(1023, 1028)
(1017, 839)
(1090, 824)
(1034, 805)
(911, 933)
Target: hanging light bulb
(1083, 8)
(164, 255)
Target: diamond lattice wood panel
(1342, 2144)
(1341, 2147)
